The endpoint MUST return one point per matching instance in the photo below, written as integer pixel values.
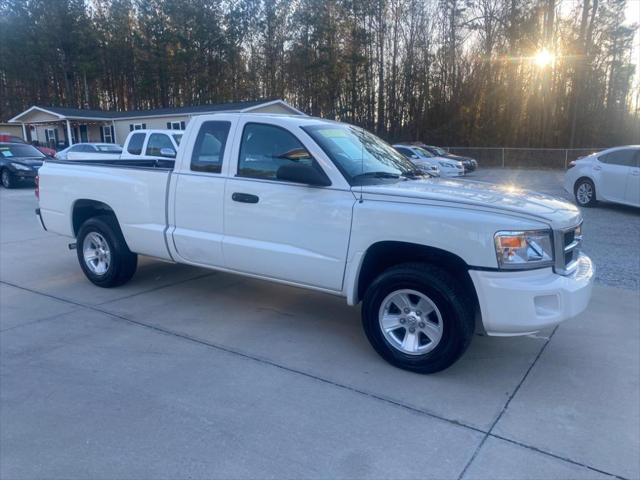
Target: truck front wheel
(418, 317)
(103, 254)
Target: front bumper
(24, 175)
(519, 303)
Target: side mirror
(295, 154)
(301, 173)
(414, 156)
(167, 152)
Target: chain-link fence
(556, 158)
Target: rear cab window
(135, 143)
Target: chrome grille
(567, 248)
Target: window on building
(51, 136)
(106, 134)
(176, 125)
(137, 126)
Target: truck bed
(136, 191)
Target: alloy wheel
(97, 254)
(411, 322)
(584, 193)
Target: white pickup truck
(328, 206)
(150, 144)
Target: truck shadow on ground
(319, 335)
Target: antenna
(360, 200)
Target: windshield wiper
(414, 173)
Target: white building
(58, 127)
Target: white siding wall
(122, 126)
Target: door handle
(244, 197)
(635, 172)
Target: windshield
(439, 151)
(424, 153)
(109, 148)
(360, 156)
(19, 150)
(177, 137)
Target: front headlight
(19, 166)
(524, 249)
(445, 164)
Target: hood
(450, 161)
(453, 156)
(32, 162)
(557, 211)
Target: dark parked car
(19, 163)
(470, 164)
(7, 137)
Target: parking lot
(189, 373)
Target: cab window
(135, 143)
(158, 141)
(208, 150)
(263, 148)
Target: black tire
(588, 185)
(123, 262)
(6, 178)
(456, 306)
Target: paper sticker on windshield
(334, 132)
(6, 153)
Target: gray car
(470, 164)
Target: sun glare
(544, 58)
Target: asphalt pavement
(190, 373)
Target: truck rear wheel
(418, 317)
(103, 254)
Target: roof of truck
(283, 117)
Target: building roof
(66, 112)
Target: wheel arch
(83, 209)
(385, 254)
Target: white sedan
(612, 175)
(90, 151)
